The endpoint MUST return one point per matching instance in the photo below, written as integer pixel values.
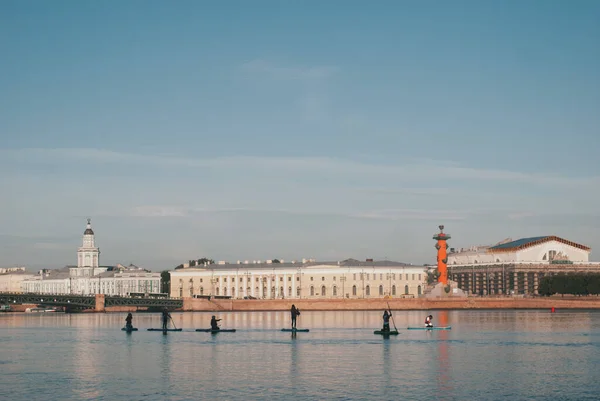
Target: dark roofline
(525, 243)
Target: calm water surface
(488, 355)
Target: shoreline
(269, 305)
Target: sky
(240, 130)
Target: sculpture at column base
(450, 290)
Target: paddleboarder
(428, 321)
(213, 323)
(128, 321)
(386, 320)
(165, 318)
(295, 313)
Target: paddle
(395, 328)
(172, 321)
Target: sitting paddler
(213, 323)
(165, 318)
(386, 320)
(128, 321)
(295, 313)
(428, 321)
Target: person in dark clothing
(386, 320)
(213, 323)
(128, 321)
(428, 321)
(295, 313)
(165, 319)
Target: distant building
(516, 267)
(88, 277)
(307, 279)
(11, 279)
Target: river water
(487, 355)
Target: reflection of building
(307, 279)
(88, 277)
(517, 266)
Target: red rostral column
(442, 257)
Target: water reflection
(492, 355)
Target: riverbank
(241, 305)
(195, 304)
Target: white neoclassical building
(88, 277)
(544, 249)
(307, 279)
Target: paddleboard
(429, 328)
(386, 333)
(295, 330)
(165, 329)
(217, 331)
(129, 330)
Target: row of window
(363, 276)
(367, 291)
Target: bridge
(97, 302)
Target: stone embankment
(195, 304)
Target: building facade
(308, 279)
(89, 277)
(11, 279)
(516, 267)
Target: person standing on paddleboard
(295, 313)
(386, 320)
(165, 318)
(128, 321)
(428, 321)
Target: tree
(205, 260)
(275, 261)
(165, 281)
(178, 267)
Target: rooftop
(532, 241)
(306, 264)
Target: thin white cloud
(406, 169)
(289, 72)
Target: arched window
(312, 291)
(201, 290)
(406, 289)
(257, 292)
(217, 291)
(323, 291)
(225, 291)
(281, 293)
(393, 290)
(368, 291)
(419, 290)
(233, 291)
(380, 290)
(298, 291)
(264, 292)
(289, 291)
(354, 290)
(334, 291)
(241, 293)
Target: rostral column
(442, 257)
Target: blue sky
(290, 129)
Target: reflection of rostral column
(442, 257)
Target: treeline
(197, 262)
(202, 261)
(572, 284)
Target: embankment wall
(194, 304)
